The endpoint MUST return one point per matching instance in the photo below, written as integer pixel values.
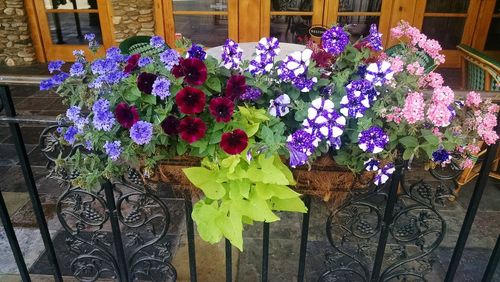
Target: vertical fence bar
(303, 239)
(115, 228)
(471, 212)
(14, 244)
(492, 263)
(387, 221)
(30, 181)
(265, 253)
(190, 237)
(229, 262)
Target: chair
(140, 44)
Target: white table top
(249, 49)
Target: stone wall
(132, 17)
(16, 47)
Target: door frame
(482, 28)
(46, 50)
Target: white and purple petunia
(300, 145)
(231, 54)
(260, 64)
(294, 69)
(335, 40)
(441, 156)
(384, 174)
(374, 39)
(373, 140)
(371, 164)
(323, 122)
(379, 73)
(268, 46)
(355, 102)
(280, 106)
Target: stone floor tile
(12, 180)
(14, 201)
(491, 197)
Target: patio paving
(285, 234)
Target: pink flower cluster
(395, 115)
(418, 39)
(473, 99)
(444, 95)
(415, 68)
(396, 64)
(413, 111)
(440, 111)
(485, 117)
(432, 79)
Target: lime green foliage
(239, 191)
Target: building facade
(41, 30)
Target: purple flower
(335, 40)
(88, 145)
(323, 122)
(303, 83)
(59, 78)
(379, 73)
(77, 69)
(73, 113)
(371, 164)
(373, 140)
(279, 106)
(441, 156)
(335, 142)
(269, 46)
(114, 77)
(251, 94)
(144, 61)
(113, 149)
(103, 66)
(355, 102)
(383, 174)
(161, 88)
(55, 66)
(70, 135)
(294, 69)
(300, 145)
(231, 54)
(103, 118)
(261, 64)
(79, 54)
(196, 51)
(170, 58)
(141, 132)
(89, 37)
(114, 54)
(47, 84)
(374, 39)
(157, 42)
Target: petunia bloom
(132, 63)
(235, 87)
(170, 125)
(190, 100)
(145, 82)
(279, 106)
(192, 129)
(193, 70)
(234, 142)
(373, 140)
(221, 108)
(126, 115)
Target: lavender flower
(144, 61)
(335, 142)
(59, 78)
(157, 42)
(55, 66)
(379, 73)
(335, 40)
(46, 84)
(300, 145)
(93, 45)
(70, 135)
(77, 69)
(231, 54)
(113, 149)
(384, 174)
(251, 94)
(441, 156)
(371, 164)
(78, 53)
(73, 113)
(269, 46)
(141, 132)
(279, 106)
(114, 54)
(103, 118)
(88, 145)
(161, 88)
(303, 83)
(170, 58)
(103, 66)
(196, 51)
(89, 37)
(374, 39)
(373, 140)
(114, 77)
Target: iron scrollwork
(85, 216)
(415, 231)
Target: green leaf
(432, 139)
(408, 153)
(293, 205)
(132, 94)
(205, 216)
(205, 180)
(181, 148)
(271, 174)
(214, 83)
(409, 141)
(150, 99)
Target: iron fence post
(492, 263)
(30, 181)
(265, 253)
(190, 237)
(229, 261)
(303, 239)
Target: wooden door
(206, 22)
(487, 30)
(449, 22)
(63, 24)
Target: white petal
(377, 149)
(317, 103)
(296, 55)
(291, 65)
(383, 179)
(272, 111)
(285, 99)
(341, 120)
(344, 111)
(300, 70)
(312, 113)
(363, 146)
(385, 66)
(369, 77)
(324, 130)
(328, 105)
(365, 102)
(336, 132)
(320, 120)
(344, 100)
(372, 68)
(284, 111)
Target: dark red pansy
(126, 115)
(235, 87)
(170, 125)
(132, 63)
(192, 129)
(221, 109)
(322, 58)
(190, 100)
(234, 142)
(193, 70)
(145, 82)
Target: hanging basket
(324, 178)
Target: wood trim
(471, 21)
(249, 23)
(367, 14)
(106, 22)
(169, 25)
(158, 18)
(384, 23)
(482, 25)
(418, 17)
(447, 15)
(317, 12)
(331, 17)
(232, 20)
(201, 13)
(34, 30)
(452, 59)
(72, 11)
(265, 18)
(291, 13)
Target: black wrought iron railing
(358, 231)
